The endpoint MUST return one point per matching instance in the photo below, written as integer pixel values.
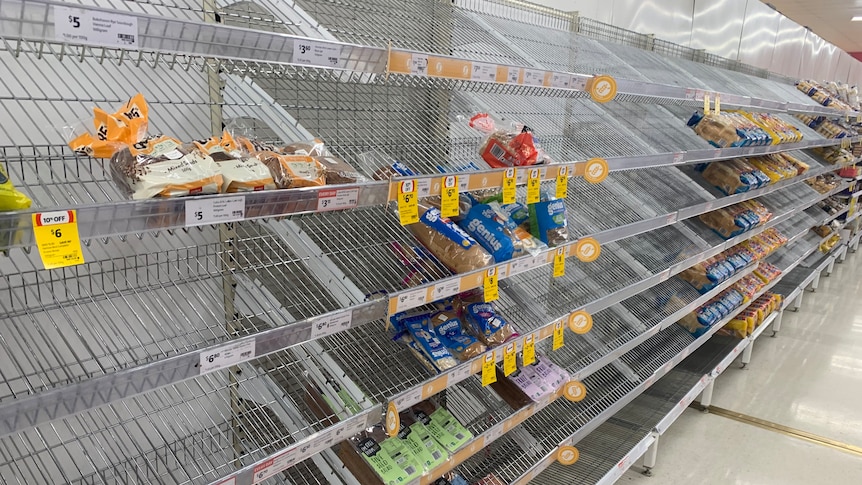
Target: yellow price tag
(717, 103)
(57, 238)
(489, 285)
(449, 196)
(408, 202)
(529, 355)
(560, 262)
(858, 118)
(510, 361)
(562, 183)
(509, 186)
(489, 369)
(558, 335)
(534, 184)
(706, 103)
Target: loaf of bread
(456, 249)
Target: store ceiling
(830, 19)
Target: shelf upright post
(706, 395)
(227, 236)
(650, 456)
(776, 326)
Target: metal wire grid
(599, 30)
(663, 130)
(191, 432)
(416, 25)
(533, 14)
(603, 449)
(655, 67)
(142, 300)
(605, 387)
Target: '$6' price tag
(408, 203)
(56, 235)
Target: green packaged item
(421, 444)
(386, 466)
(404, 457)
(444, 428)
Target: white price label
(226, 356)
(273, 466)
(561, 80)
(493, 433)
(419, 64)
(533, 77)
(423, 187)
(579, 83)
(215, 210)
(330, 200)
(447, 288)
(410, 299)
(513, 74)
(484, 72)
(331, 324)
(83, 26)
(463, 182)
(229, 481)
(525, 264)
(313, 53)
(678, 157)
(408, 399)
(461, 372)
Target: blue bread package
(422, 333)
(481, 223)
(548, 221)
(490, 327)
(448, 242)
(450, 331)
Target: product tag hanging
(449, 196)
(560, 262)
(563, 183)
(717, 103)
(489, 285)
(509, 186)
(558, 335)
(534, 183)
(489, 369)
(705, 103)
(510, 362)
(408, 202)
(529, 355)
(57, 239)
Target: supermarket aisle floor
(808, 378)
(703, 449)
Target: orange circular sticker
(588, 250)
(575, 391)
(393, 420)
(603, 89)
(568, 455)
(580, 322)
(596, 170)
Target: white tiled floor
(809, 378)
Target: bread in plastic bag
(239, 173)
(456, 249)
(293, 171)
(160, 166)
(450, 331)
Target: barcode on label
(497, 152)
(127, 39)
(419, 64)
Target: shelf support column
(776, 326)
(706, 396)
(650, 457)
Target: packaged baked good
(730, 178)
(454, 247)
(416, 437)
(403, 456)
(531, 387)
(548, 221)
(386, 467)
(335, 169)
(111, 132)
(506, 146)
(450, 433)
(160, 166)
(450, 331)
(422, 332)
(293, 171)
(239, 173)
(11, 199)
(487, 325)
(498, 234)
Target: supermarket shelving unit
(105, 365)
